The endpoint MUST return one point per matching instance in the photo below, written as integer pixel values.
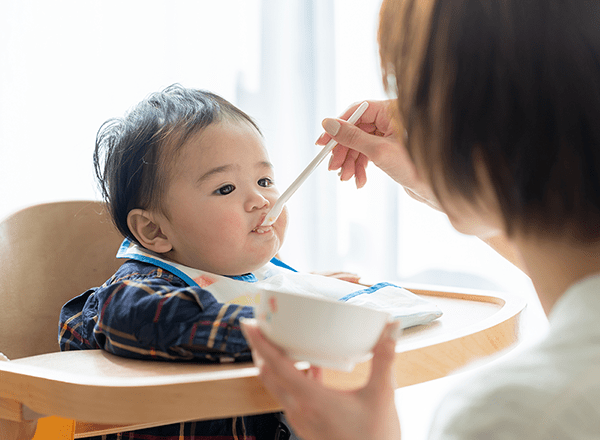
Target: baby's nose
(258, 202)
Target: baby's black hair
(132, 153)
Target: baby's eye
(225, 189)
(265, 182)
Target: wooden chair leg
(55, 428)
(11, 430)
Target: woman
(496, 123)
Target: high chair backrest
(50, 253)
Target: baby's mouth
(262, 229)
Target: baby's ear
(145, 226)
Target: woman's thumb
(331, 126)
(348, 135)
(383, 358)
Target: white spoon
(278, 206)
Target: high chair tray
(99, 388)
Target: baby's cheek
(226, 239)
(282, 224)
(232, 226)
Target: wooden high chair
(52, 252)
(49, 254)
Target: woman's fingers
(317, 412)
(338, 156)
(360, 170)
(378, 394)
(384, 353)
(297, 391)
(341, 157)
(326, 137)
(351, 136)
(356, 147)
(370, 139)
(276, 370)
(349, 165)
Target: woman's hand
(373, 138)
(317, 412)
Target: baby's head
(186, 174)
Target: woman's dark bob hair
(513, 83)
(133, 154)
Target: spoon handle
(279, 204)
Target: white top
(551, 391)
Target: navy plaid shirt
(146, 312)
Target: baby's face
(221, 186)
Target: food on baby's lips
(262, 229)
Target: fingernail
(318, 141)
(331, 126)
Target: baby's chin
(249, 267)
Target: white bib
(409, 308)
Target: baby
(188, 182)
(187, 179)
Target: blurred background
(68, 65)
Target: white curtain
(316, 58)
(295, 86)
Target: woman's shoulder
(535, 392)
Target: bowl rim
(321, 299)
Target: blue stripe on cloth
(163, 265)
(249, 277)
(368, 290)
(280, 263)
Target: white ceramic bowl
(324, 332)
